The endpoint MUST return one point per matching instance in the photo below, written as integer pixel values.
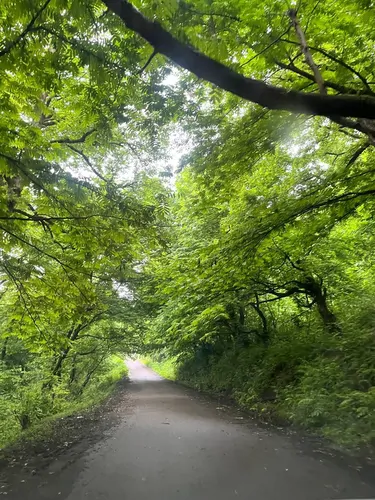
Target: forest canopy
(194, 180)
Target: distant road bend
(173, 444)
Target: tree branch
(357, 154)
(338, 61)
(363, 125)
(306, 52)
(79, 47)
(224, 77)
(147, 62)
(18, 284)
(88, 162)
(74, 141)
(28, 28)
(265, 48)
(332, 85)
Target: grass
(165, 368)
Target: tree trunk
(4, 350)
(319, 295)
(90, 374)
(257, 309)
(71, 335)
(73, 371)
(328, 317)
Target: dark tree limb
(147, 63)
(357, 154)
(80, 140)
(224, 77)
(256, 306)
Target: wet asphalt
(174, 444)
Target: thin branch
(332, 85)
(311, 14)
(148, 62)
(280, 295)
(63, 265)
(224, 77)
(337, 199)
(77, 45)
(74, 141)
(293, 264)
(338, 61)
(28, 28)
(88, 162)
(47, 218)
(87, 353)
(19, 287)
(34, 180)
(265, 49)
(357, 154)
(362, 124)
(306, 52)
(129, 146)
(31, 245)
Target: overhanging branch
(80, 140)
(224, 77)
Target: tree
(248, 88)
(256, 267)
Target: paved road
(175, 445)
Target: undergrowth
(38, 407)
(164, 367)
(324, 384)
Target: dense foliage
(255, 270)
(78, 213)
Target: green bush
(324, 383)
(164, 367)
(26, 398)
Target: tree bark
(256, 307)
(314, 289)
(73, 371)
(328, 317)
(4, 349)
(224, 77)
(305, 49)
(363, 125)
(71, 335)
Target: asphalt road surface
(174, 444)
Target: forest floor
(156, 439)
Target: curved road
(173, 444)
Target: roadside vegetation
(28, 409)
(164, 367)
(218, 219)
